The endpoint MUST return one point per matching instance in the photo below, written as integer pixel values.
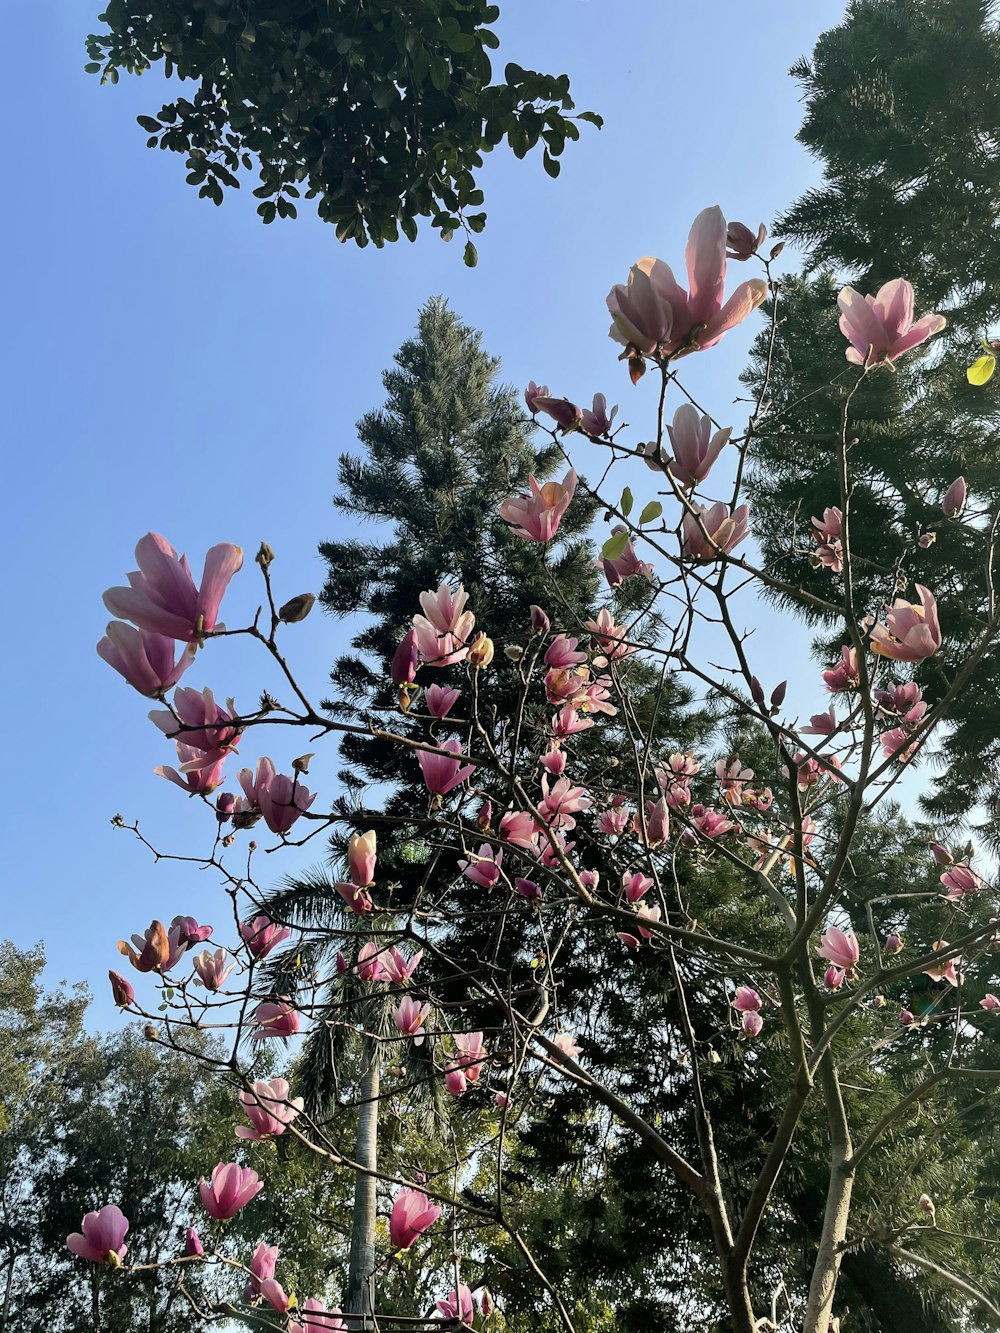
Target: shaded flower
(840, 947)
(230, 1189)
(410, 1017)
(724, 531)
(101, 1238)
(269, 1109)
(145, 659)
(694, 445)
(536, 516)
(911, 632)
(441, 772)
(275, 1019)
(261, 935)
(162, 597)
(880, 328)
(412, 1214)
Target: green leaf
(550, 164)
(470, 256)
(92, 67)
(626, 502)
(592, 117)
(614, 546)
(653, 510)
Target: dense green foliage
(381, 111)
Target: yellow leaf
(981, 369)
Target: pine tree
(902, 109)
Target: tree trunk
(360, 1291)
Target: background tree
(380, 111)
(903, 111)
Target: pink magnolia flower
(567, 722)
(261, 935)
(657, 822)
(725, 531)
(458, 1305)
(101, 1238)
(636, 885)
(193, 1247)
(122, 990)
(565, 414)
(231, 1188)
(989, 1002)
(262, 1265)
(540, 622)
(732, 778)
(412, 1214)
(275, 1295)
(597, 421)
(442, 773)
(840, 947)
(554, 761)
(906, 1018)
(397, 967)
(455, 1080)
(187, 931)
(893, 943)
(953, 502)
(536, 516)
(269, 1109)
(211, 968)
(960, 880)
(562, 652)
(527, 888)
(949, 971)
(709, 823)
(445, 611)
(146, 660)
(567, 1044)
(156, 951)
(405, 660)
(751, 1024)
(369, 964)
(410, 1017)
(844, 676)
(362, 849)
(646, 913)
(821, 724)
(484, 868)
(162, 597)
(204, 726)
(561, 802)
(440, 700)
(590, 879)
(615, 821)
(194, 777)
(746, 1000)
(829, 547)
(695, 447)
(329, 1321)
(471, 1054)
(881, 328)
(532, 393)
(275, 1019)
(624, 566)
(609, 636)
(279, 798)
(911, 632)
(653, 314)
(742, 243)
(833, 977)
(941, 854)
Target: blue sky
(177, 367)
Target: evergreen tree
(902, 109)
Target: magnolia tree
(566, 819)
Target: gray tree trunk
(360, 1289)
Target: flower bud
(297, 608)
(150, 1033)
(741, 242)
(926, 539)
(941, 854)
(121, 989)
(906, 1019)
(264, 556)
(513, 652)
(954, 498)
(540, 622)
(192, 1244)
(301, 765)
(927, 1206)
(481, 651)
(757, 691)
(893, 943)
(778, 694)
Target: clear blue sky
(181, 368)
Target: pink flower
(101, 1238)
(540, 621)
(561, 802)
(562, 652)
(989, 1002)
(709, 823)
(840, 947)
(833, 977)
(122, 990)
(653, 314)
(203, 726)
(358, 900)
(554, 761)
(893, 943)
(532, 393)
(362, 849)
(536, 516)
(269, 1109)
(262, 1265)
(844, 676)
(405, 659)
(279, 798)
(261, 935)
(906, 1019)
(146, 660)
(657, 822)
(329, 1323)
(741, 241)
(941, 854)
(231, 1188)
(275, 1019)
(484, 868)
(609, 636)
(471, 1054)
(410, 1018)
(527, 888)
(725, 531)
(274, 1293)
(442, 773)
(397, 967)
(455, 1080)
(412, 1214)
(695, 447)
(567, 1044)
(155, 951)
(567, 722)
(646, 913)
(211, 968)
(194, 777)
(751, 1023)
(440, 700)
(946, 971)
(597, 421)
(829, 548)
(193, 1247)
(369, 964)
(881, 328)
(162, 597)
(960, 880)
(458, 1305)
(911, 632)
(445, 611)
(952, 503)
(746, 1000)
(566, 415)
(625, 566)
(636, 885)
